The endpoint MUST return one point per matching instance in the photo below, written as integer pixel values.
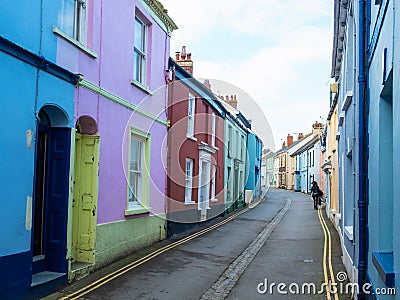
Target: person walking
(316, 194)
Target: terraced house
(195, 186)
(366, 67)
(93, 126)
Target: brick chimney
(300, 136)
(317, 127)
(232, 100)
(185, 60)
(289, 140)
(207, 84)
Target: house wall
(253, 184)
(383, 209)
(25, 90)
(232, 200)
(112, 70)
(182, 147)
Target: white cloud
(286, 63)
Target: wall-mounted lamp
(29, 135)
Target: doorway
(84, 206)
(51, 191)
(204, 188)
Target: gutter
(363, 19)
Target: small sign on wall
(28, 216)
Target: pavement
(279, 241)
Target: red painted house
(195, 181)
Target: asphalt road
(292, 253)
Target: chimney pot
(289, 140)
(183, 53)
(177, 54)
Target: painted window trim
(191, 116)
(187, 200)
(74, 42)
(213, 129)
(144, 206)
(141, 86)
(145, 61)
(118, 100)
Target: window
(191, 111)
(230, 137)
(213, 174)
(213, 130)
(138, 172)
(140, 51)
(228, 188)
(242, 146)
(237, 144)
(73, 19)
(188, 180)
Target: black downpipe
(363, 146)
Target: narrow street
(280, 240)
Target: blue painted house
(37, 118)
(253, 165)
(344, 96)
(382, 247)
(366, 40)
(235, 156)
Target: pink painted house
(118, 156)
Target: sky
(277, 52)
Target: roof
(162, 14)
(197, 86)
(306, 146)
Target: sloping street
(292, 253)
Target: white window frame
(191, 114)
(213, 129)
(73, 20)
(142, 195)
(230, 137)
(213, 174)
(189, 180)
(140, 77)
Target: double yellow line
(96, 284)
(327, 248)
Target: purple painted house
(118, 161)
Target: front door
(50, 213)
(85, 197)
(204, 187)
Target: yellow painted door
(85, 197)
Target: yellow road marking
(98, 283)
(329, 242)
(328, 295)
(330, 254)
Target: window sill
(189, 202)
(214, 200)
(137, 211)
(142, 87)
(348, 230)
(191, 138)
(73, 41)
(383, 263)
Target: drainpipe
(35, 112)
(363, 145)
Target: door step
(79, 270)
(44, 277)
